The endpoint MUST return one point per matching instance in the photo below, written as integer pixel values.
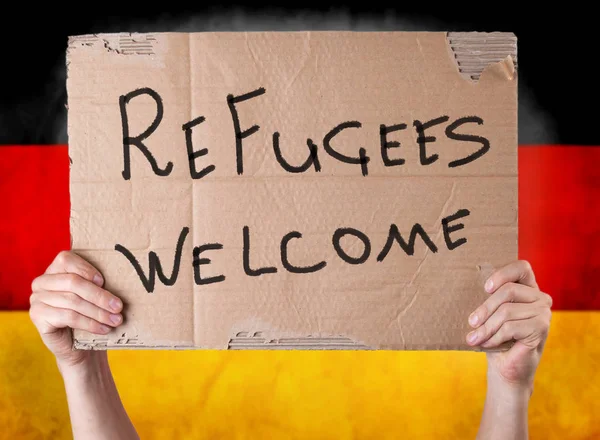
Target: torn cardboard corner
(293, 190)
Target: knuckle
(72, 282)
(507, 329)
(548, 299)
(510, 292)
(33, 298)
(526, 266)
(87, 273)
(542, 323)
(35, 283)
(84, 271)
(70, 316)
(482, 312)
(33, 313)
(73, 299)
(101, 316)
(485, 331)
(62, 257)
(98, 297)
(36, 315)
(503, 312)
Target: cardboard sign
(320, 190)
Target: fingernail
(489, 285)
(104, 328)
(115, 319)
(115, 304)
(97, 280)
(471, 337)
(473, 319)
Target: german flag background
(311, 395)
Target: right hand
(69, 295)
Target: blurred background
(296, 395)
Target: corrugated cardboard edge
(130, 44)
(121, 43)
(473, 53)
(251, 342)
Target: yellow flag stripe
(305, 395)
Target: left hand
(516, 310)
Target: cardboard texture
(336, 190)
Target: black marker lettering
(313, 159)
(200, 261)
(138, 140)
(447, 229)
(284, 256)
(155, 265)
(469, 138)
(422, 140)
(409, 248)
(339, 234)
(239, 134)
(384, 130)
(192, 155)
(247, 269)
(362, 158)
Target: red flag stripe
(559, 213)
(559, 222)
(34, 225)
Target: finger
(508, 293)
(506, 312)
(516, 272)
(48, 319)
(523, 331)
(72, 301)
(69, 262)
(70, 282)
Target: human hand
(69, 295)
(516, 310)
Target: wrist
(506, 392)
(93, 365)
(506, 409)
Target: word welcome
(312, 161)
(394, 236)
